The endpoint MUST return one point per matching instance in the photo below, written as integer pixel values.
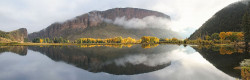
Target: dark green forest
(227, 19)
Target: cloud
(148, 60)
(186, 64)
(36, 15)
(146, 22)
(190, 13)
(153, 59)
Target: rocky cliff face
(16, 35)
(19, 35)
(71, 28)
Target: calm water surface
(120, 62)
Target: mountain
(227, 19)
(101, 24)
(13, 36)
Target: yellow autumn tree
(222, 35)
(240, 36)
(154, 39)
(174, 39)
(129, 40)
(166, 39)
(150, 39)
(145, 39)
(229, 34)
(138, 41)
(41, 40)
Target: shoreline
(60, 44)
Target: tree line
(48, 40)
(144, 39)
(215, 38)
(246, 26)
(108, 40)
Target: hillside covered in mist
(125, 22)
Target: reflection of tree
(106, 45)
(21, 50)
(207, 46)
(149, 45)
(245, 69)
(117, 45)
(230, 50)
(225, 63)
(204, 46)
(224, 51)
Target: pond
(120, 62)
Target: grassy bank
(58, 44)
(55, 44)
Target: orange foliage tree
(222, 35)
(240, 36)
(41, 40)
(149, 39)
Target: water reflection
(106, 45)
(245, 73)
(137, 62)
(225, 58)
(117, 45)
(125, 61)
(149, 45)
(21, 50)
(245, 69)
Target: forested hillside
(227, 19)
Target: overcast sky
(35, 15)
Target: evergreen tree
(215, 36)
(246, 26)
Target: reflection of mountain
(102, 59)
(21, 50)
(223, 62)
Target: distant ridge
(13, 36)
